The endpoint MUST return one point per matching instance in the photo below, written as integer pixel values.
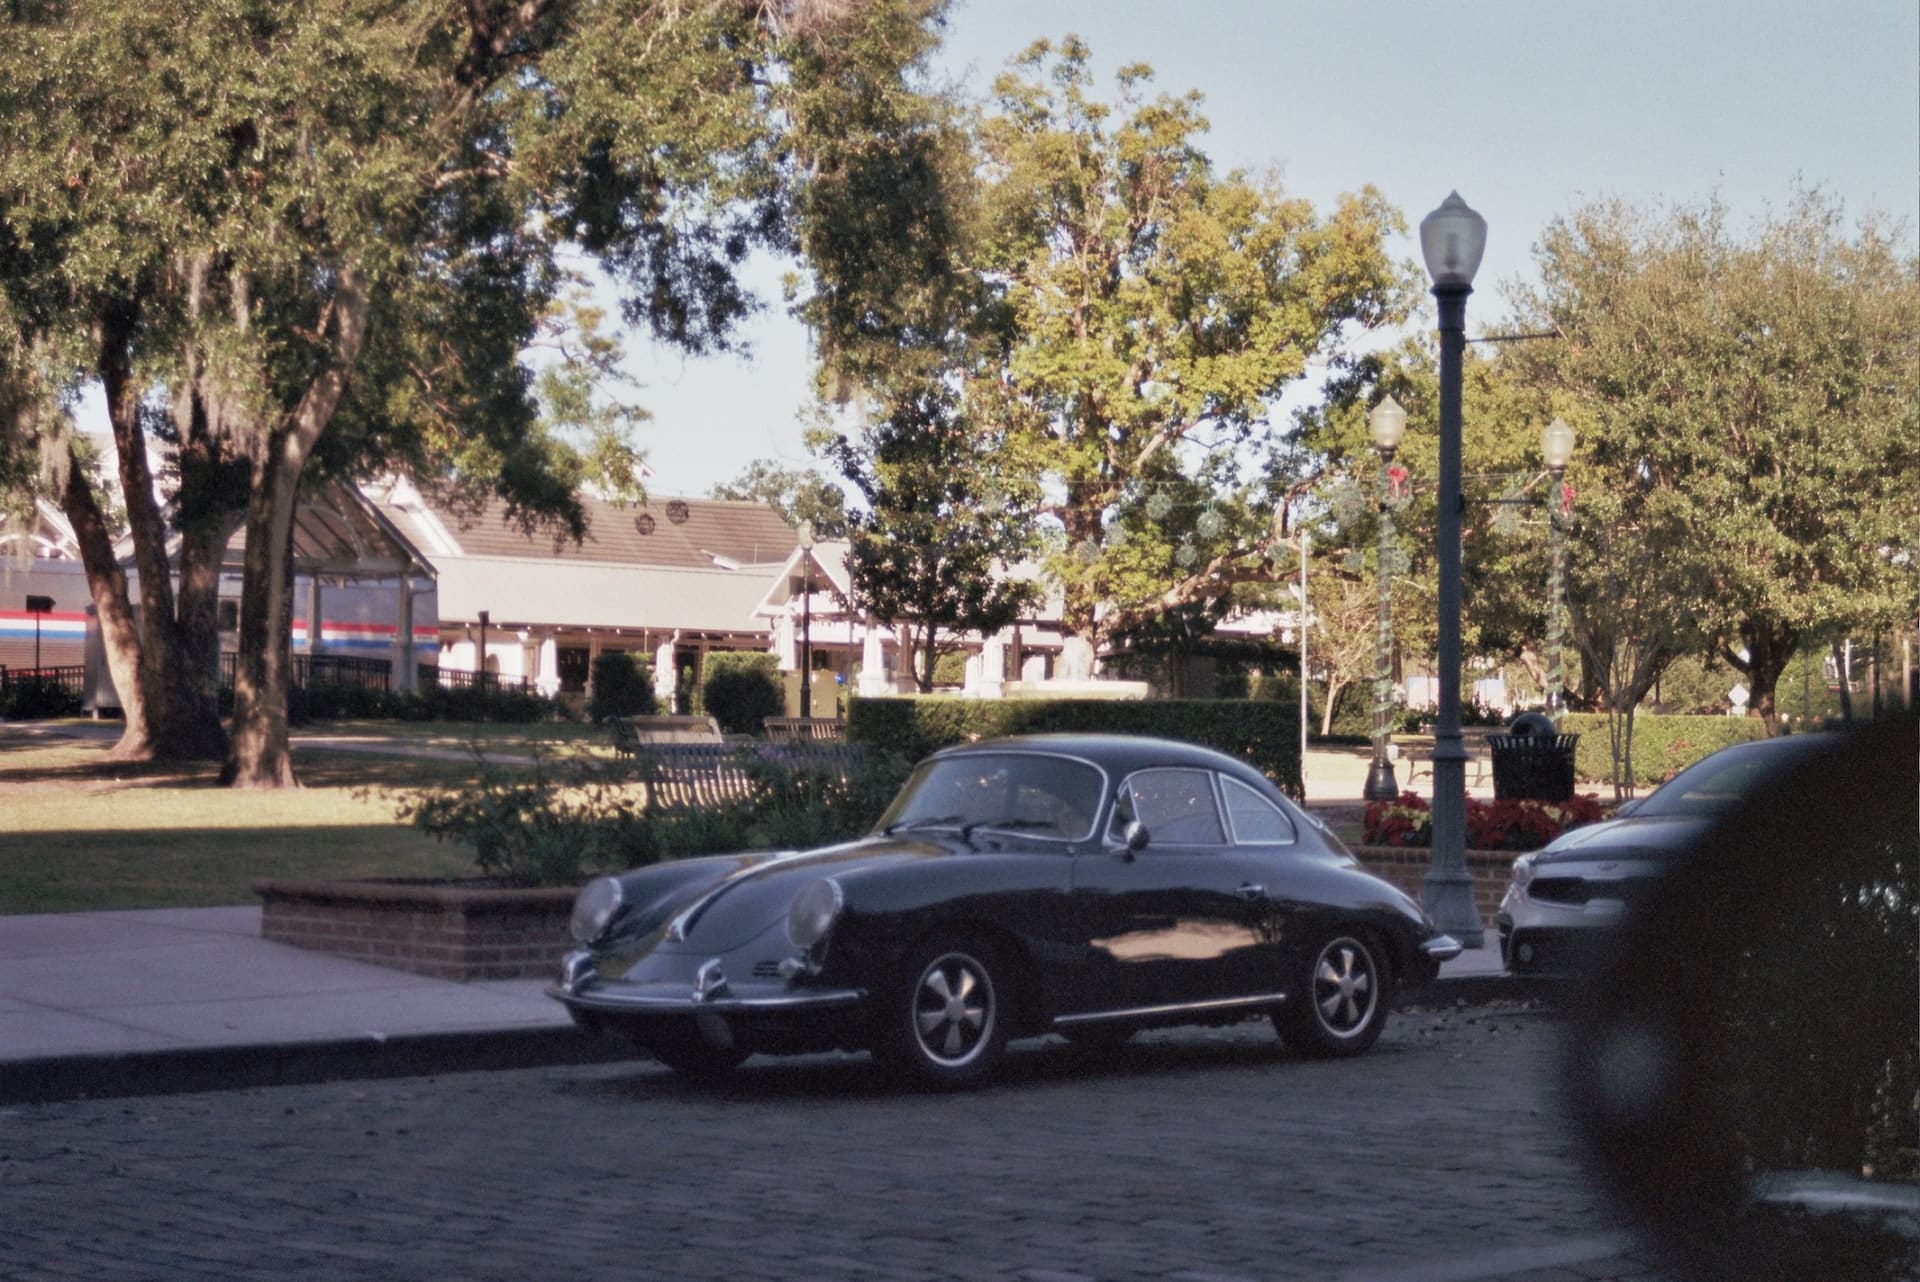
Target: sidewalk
(150, 1002)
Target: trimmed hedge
(1264, 732)
(1663, 745)
(622, 687)
(742, 689)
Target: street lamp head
(1452, 239)
(1388, 423)
(1556, 445)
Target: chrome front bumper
(582, 989)
(1441, 948)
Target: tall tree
(295, 217)
(1156, 307)
(1757, 397)
(797, 494)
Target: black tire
(944, 1025)
(1343, 1001)
(693, 1056)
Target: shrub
(742, 689)
(29, 698)
(1491, 825)
(554, 824)
(1662, 745)
(1264, 732)
(622, 687)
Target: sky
(1529, 108)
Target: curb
(177, 1072)
(60, 1078)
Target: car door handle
(1251, 890)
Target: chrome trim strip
(602, 999)
(1442, 948)
(1140, 1012)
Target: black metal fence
(324, 670)
(70, 678)
(461, 679)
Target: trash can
(1531, 762)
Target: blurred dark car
(1564, 900)
(1082, 885)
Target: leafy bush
(622, 687)
(1662, 745)
(742, 689)
(571, 816)
(29, 698)
(1264, 732)
(553, 824)
(1491, 825)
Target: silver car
(1563, 898)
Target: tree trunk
(259, 754)
(119, 630)
(1770, 647)
(1844, 670)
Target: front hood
(1634, 837)
(722, 913)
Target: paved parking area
(1203, 1155)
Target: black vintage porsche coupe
(1083, 885)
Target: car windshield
(1047, 796)
(1712, 785)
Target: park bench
(630, 734)
(1479, 767)
(680, 777)
(804, 729)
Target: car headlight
(813, 913)
(1522, 872)
(594, 910)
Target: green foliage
(555, 824)
(1662, 745)
(622, 687)
(796, 494)
(1746, 410)
(29, 698)
(1263, 732)
(339, 702)
(741, 689)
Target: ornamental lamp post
(1556, 447)
(1388, 423)
(1452, 239)
(806, 618)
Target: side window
(1177, 807)
(1256, 821)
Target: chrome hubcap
(953, 1009)
(1343, 987)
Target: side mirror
(1134, 836)
(1745, 1066)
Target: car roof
(1119, 754)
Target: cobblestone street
(1191, 1154)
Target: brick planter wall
(449, 930)
(1406, 867)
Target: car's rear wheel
(945, 1026)
(1343, 999)
(693, 1056)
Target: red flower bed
(1491, 825)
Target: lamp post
(806, 618)
(1388, 423)
(1452, 239)
(1556, 447)
(37, 606)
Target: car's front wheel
(1343, 1000)
(946, 1026)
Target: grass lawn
(79, 832)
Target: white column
(406, 668)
